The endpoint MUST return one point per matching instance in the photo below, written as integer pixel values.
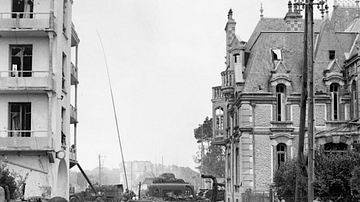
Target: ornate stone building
(256, 109)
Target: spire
(230, 14)
(261, 10)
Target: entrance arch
(62, 180)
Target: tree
(8, 179)
(210, 157)
(333, 175)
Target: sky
(163, 57)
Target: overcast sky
(164, 56)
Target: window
(280, 102)
(228, 164)
(19, 119)
(276, 54)
(63, 136)
(219, 118)
(237, 166)
(236, 58)
(335, 147)
(280, 154)
(64, 15)
(22, 8)
(331, 54)
(21, 60)
(354, 100)
(334, 91)
(63, 71)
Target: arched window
(219, 120)
(280, 154)
(334, 91)
(280, 102)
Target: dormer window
(331, 54)
(276, 54)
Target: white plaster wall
(40, 60)
(39, 112)
(36, 179)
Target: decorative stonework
(333, 74)
(280, 75)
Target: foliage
(212, 161)
(335, 175)
(355, 181)
(204, 131)
(7, 178)
(284, 179)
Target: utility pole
(309, 62)
(311, 118)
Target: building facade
(256, 109)
(38, 93)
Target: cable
(112, 99)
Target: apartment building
(256, 109)
(38, 93)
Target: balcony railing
(217, 93)
(26, 80)
(73, 114)
(35, 140)
(74, 74)
(26, 20)
(228, 81)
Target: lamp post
(309, 61)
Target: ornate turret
(230, 33)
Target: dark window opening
(63, 135)
(335, 147)
(281, 154)
(276, 54)
(20, 119)
(280, 102)
(331, 54)
(22, 8)
(334, 91)
(236, 58)
(63, 71)
(21, 60)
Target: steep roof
(260, 64)
(342, 16)
(273, 25)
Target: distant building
(256, 109)
(38, 93)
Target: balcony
(35, 141)
(72, 156)
(217, 93)
(74, 74)
(73, 114)
(219, 137)
(228, 81)
(26, 24)
(74, 36)
(29, 81)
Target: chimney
(293, 18)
